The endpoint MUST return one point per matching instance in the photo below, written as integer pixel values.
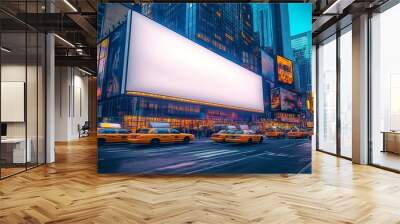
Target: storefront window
(22, 93)
(13, 122)
(327, 95)
(385, 89)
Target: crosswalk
(198, 150)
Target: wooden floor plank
(70, 191)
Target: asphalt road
(207, 157)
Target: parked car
(298, 133)
(275, 133)
(244, 136)
(112, 135)
(220, 136)
(155, 136)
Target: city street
(207, 157)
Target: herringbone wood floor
(70, 191)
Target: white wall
(10, 73)
(71, 102)
(80, 111)
(13, 73)
(62, 83)
(33, 127)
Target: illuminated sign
(289, 101)
(310, 102)
(284, 100)
(116, 62)
(102, 52)
(285, 70)
(163, 64)
(284, 117)
(275, 99)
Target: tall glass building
(215, 26)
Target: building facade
(233, 31)
(301, 47)
(226, 29)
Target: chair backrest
(86, 125)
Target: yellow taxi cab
(298, 133)
(220, 136)
(155, 136)
(310, 132)
(112, 135)
(274, 133)
(244, 136)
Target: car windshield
(143, 131)
(239, 132)
(174, 131)
(222, 132)
(103, 131)
(161, 131)
(249, 132)
(108, 131)
(123, 131)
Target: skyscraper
(247, 40)
(301, 44)
(226, 29)
(285, 35)
(263, 24)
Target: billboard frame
(181, 98)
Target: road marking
(176, 166)
(304, 168)
(214, 153)
(203, 141)
(305, 144)
(164, 149)
(117, 150)
(224, 155)
(231, 162)
(287, 146)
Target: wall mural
(196, 88)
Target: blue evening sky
(300, 17)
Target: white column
(314, 90)
(50, 98)
(360, 90)
(63, 100)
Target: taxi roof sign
(109, 125)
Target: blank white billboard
(164, 64)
